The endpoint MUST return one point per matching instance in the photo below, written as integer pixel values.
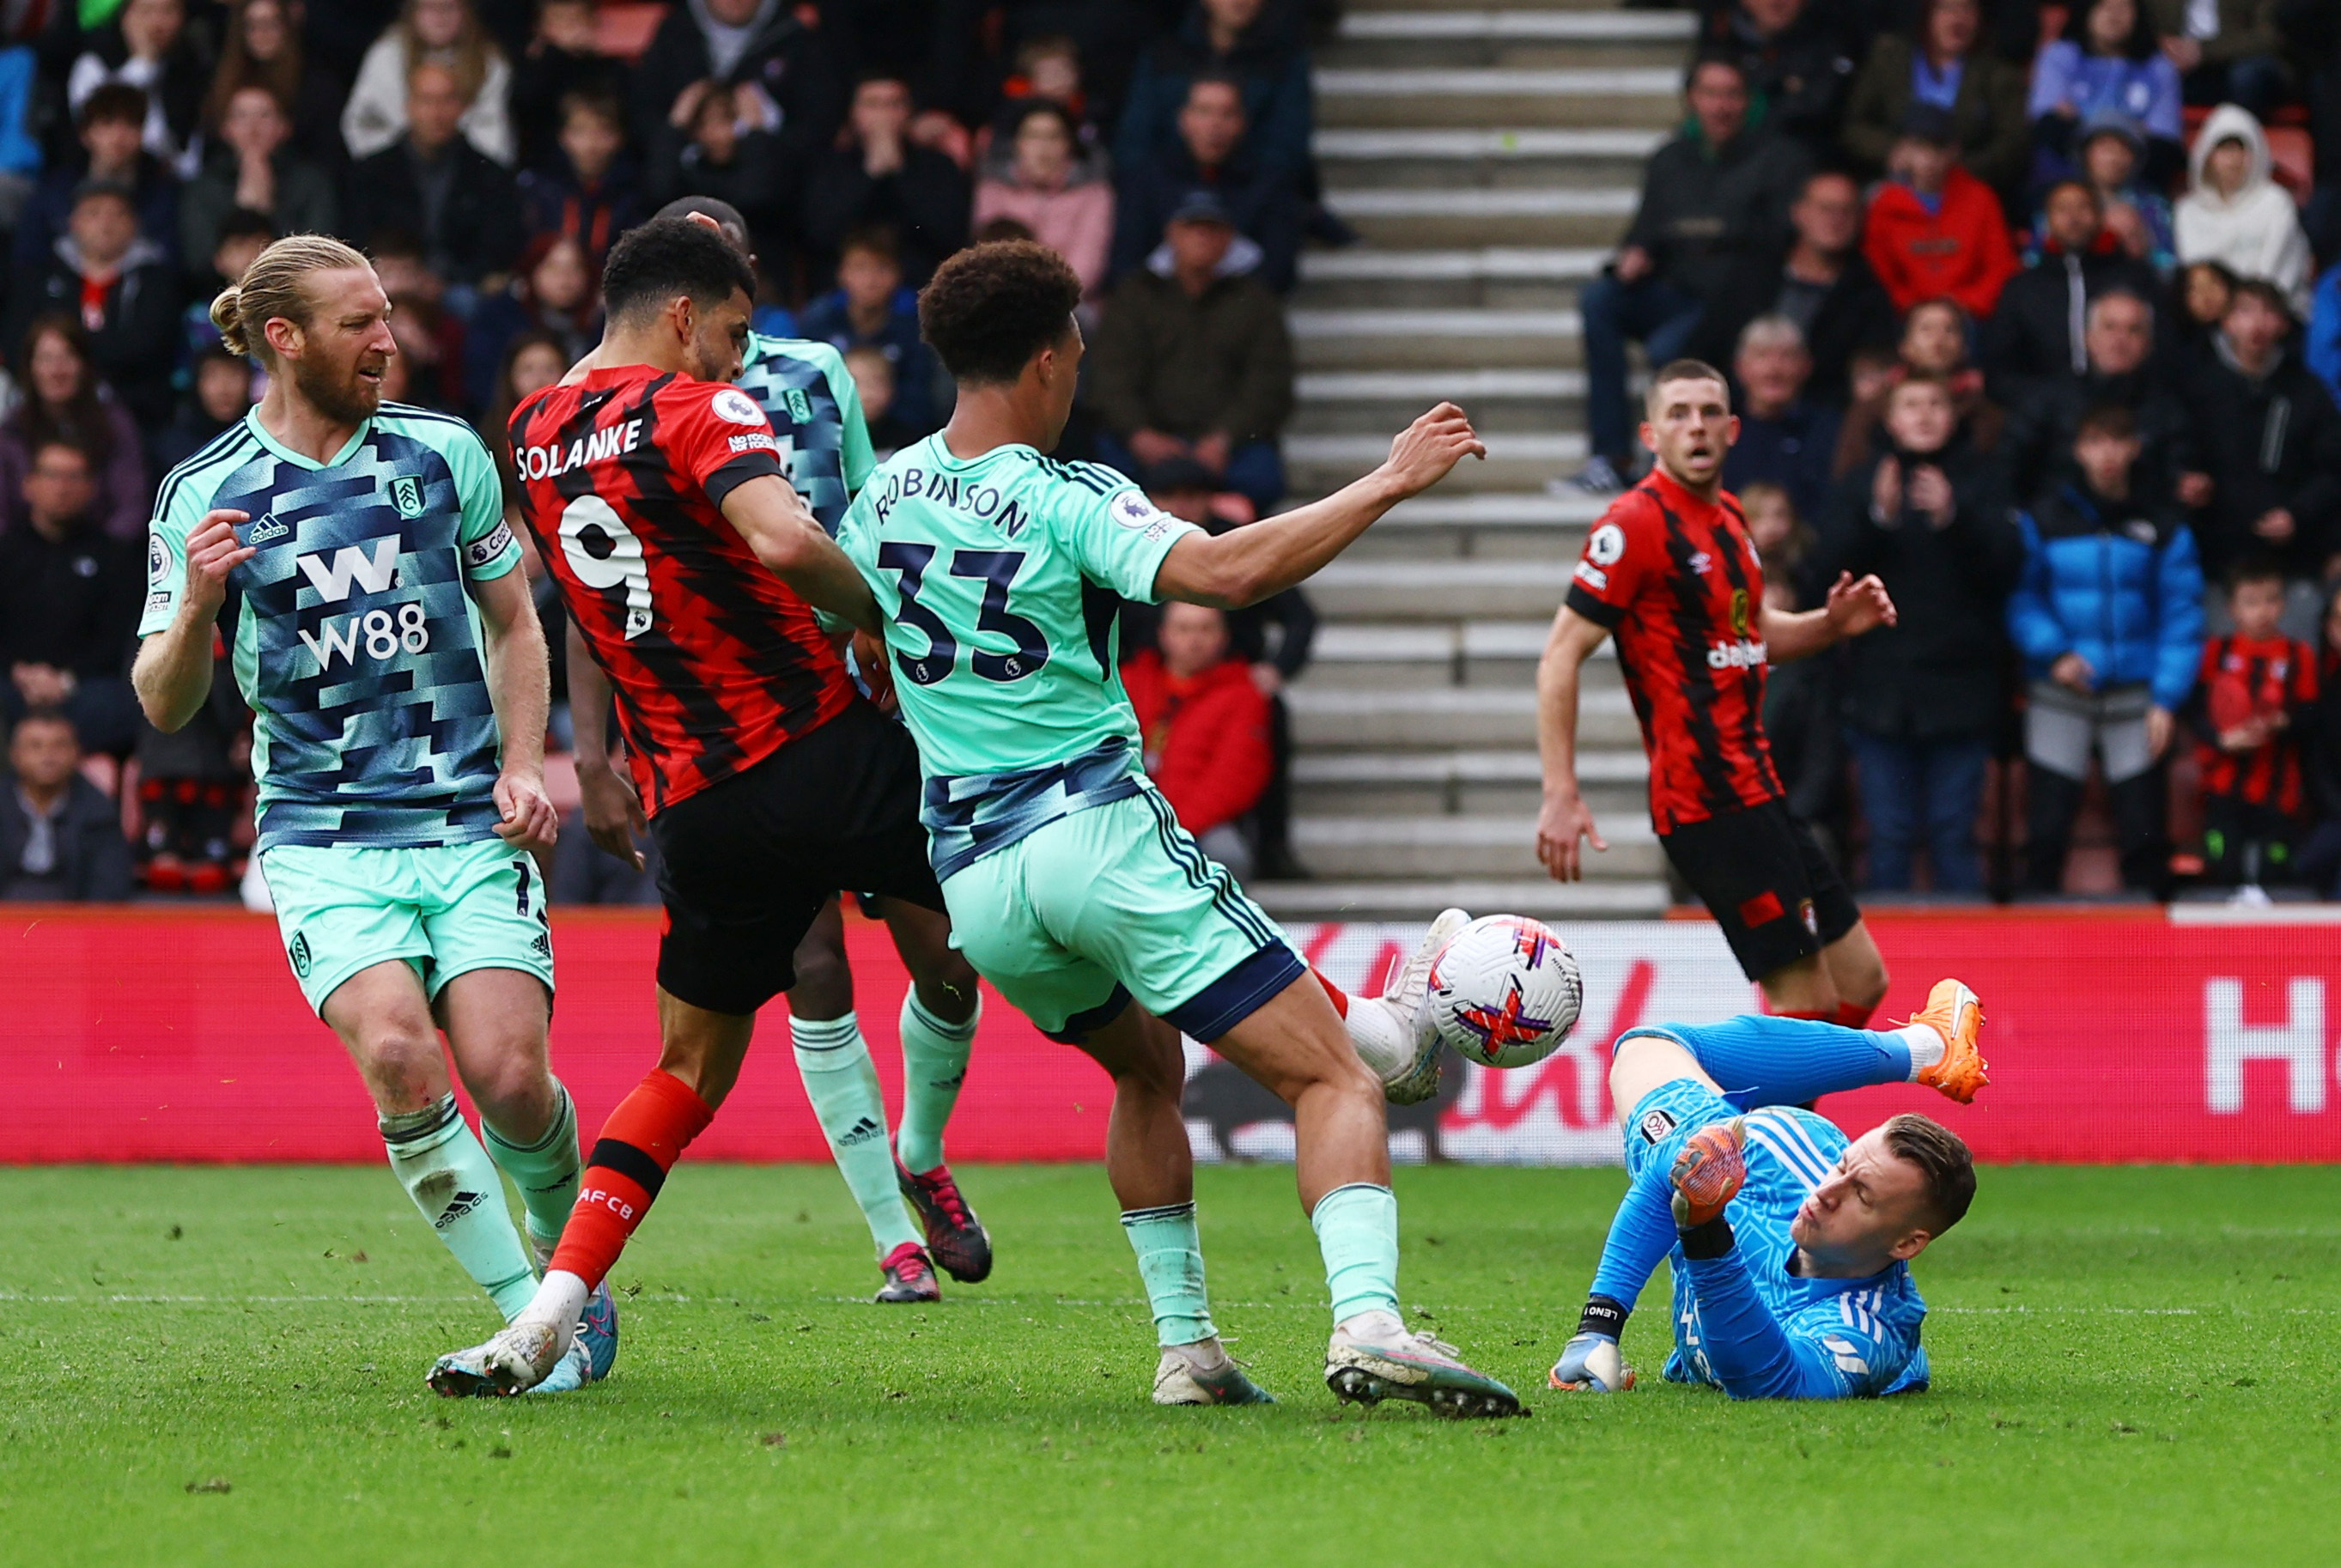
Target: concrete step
(1317, 464)
(1538, 897)
(1504, 277)
(1429, 655)
(1443, 847)
(1465, 783)
(1643, 97)
(1446, 525)
(1516, 24)
(1394, 339)
(1571, 215)
(1415, 156)
(1369, 403)
(1442, 590)
(1509, 5)
(1332, 717)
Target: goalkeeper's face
(1870, 1212)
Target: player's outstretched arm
(172, 675)
(1564, 819)
(1245, 565)
(520, 690)
(613, 811)
(785, 536)
(1853, 607)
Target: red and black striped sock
(639, 1145)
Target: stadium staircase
(1490, 158)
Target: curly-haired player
(1070, 885)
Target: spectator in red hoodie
(1934, 230)
(1204, 726)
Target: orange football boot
(1956, 1013)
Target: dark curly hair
(990, 308)
(655, 262)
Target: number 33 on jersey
(999, 578)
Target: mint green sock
(448, 1175)
(842, 1085)
(545, 1171)
(1357, 1230)
(935, 1065)
(1171, 1262)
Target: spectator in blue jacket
(2324, 349)
(2108, 58)
(20, 151)
(2109, 618)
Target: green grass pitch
(196, 1367)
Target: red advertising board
(139, 1033)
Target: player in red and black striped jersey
(624, 473)
(693, 569)
(1670, 571)
(2256, 684)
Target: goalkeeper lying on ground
(1791, 1245)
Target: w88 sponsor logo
(378, 634)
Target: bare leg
(1298, 1050)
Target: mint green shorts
(446, 910)
(1077, 917)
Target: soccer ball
(1505, 992)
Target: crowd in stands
(486, 154)
(2022, 308)
(2022, 304)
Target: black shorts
(1764, 879)
(746, 865)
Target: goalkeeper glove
(1591, 1363)
(1709, 1173)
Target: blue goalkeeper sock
(1357, 1230)
(448, 1175)
(1775, 1061)
(1171, 1262)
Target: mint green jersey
(999, 578)
(805, 390)
(352, 632)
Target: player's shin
(448, 1175)
(842, 1083)
(546, 1171)
(1357, 1233)
(639, 1145)
(1770, 1060)
(1171, 1264)
(935, 1065)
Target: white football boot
(1371, 1358)
(522, 1355)
(1204, 1373)
(1392, 1032)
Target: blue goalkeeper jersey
(1743, 1324)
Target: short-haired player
(1790, 1244)
(1069, 882)
(810, 400)
(1670, 572)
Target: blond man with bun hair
(353, 555)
